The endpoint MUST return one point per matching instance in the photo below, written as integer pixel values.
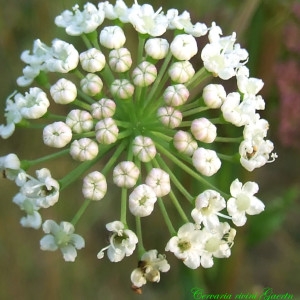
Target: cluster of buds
(146, 113)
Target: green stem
(178, 207)
(198, 78)
(229, 140)
(166, 217)
(80, 212)
(81, 104)
(124, 194)
(141, 249)
(194, 111)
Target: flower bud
(120, 60)
(79, 120)
(104, 108)
(144, 74)
(142, 200)
(92, 60)
(159, 180)
(63, 91)
(181, 71)
(57, 134)
(126, 174)
(106, 131)
(122, 88)
(206, 161)
(214, 95)
(112, 37)
(184, 47)
(157, 48)
(169, 116)
(176, 95)
(84, 149)
(184, 142)
(203, 130)
(94, 186)
(144, 148)
(91, 84)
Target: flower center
(184, 245)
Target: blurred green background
(266, 251)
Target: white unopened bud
(94, 186)
(106, 131)
(79, 120)
(181, 71)
(159, 180)
(144, 74)
(120, 60)
(144, 148)
(122, 88)
(92, 60)
(157, 48)
(176, 95)
(183, 141)
(104, 108)
(142, 200)
(112, 37)
(169, 116)
(184, 47)
(91, 84)
(84, 149)
(126, 174)
(63, 91)
(57, 134)
(204, 130)
(206, 161)
(214, 95)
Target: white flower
(157, 48)
(92, 60)
(79, 22)
(119, 11)
(44, 189)
(184, 47)
(181, 71)
(94, 186)
(33, 219)
(63, 91)
(146, 21)
(176, 95)
(169, 116)
(238, 112)
(122, 88)
(184, 142)
(144, 74)
(57, 134)
(61, 237)
(149, 268)
(10, 166)
(64, 57)
(79, 120)
(206, 161)
(34, 104)
(104, 108)
(120, 60)
(216, 243)
(187, 245)
(159, 180)
(106, 131)
(214, 95)
(144, 148)
(208, 204)
(84, 149)
(203, 130)
(126, 174)
(91, 84)
(243, 201)
(112, 37)
(122, 242)
(12, 115)
(142, 200)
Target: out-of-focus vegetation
(266, 252)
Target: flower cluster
(142, 116)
